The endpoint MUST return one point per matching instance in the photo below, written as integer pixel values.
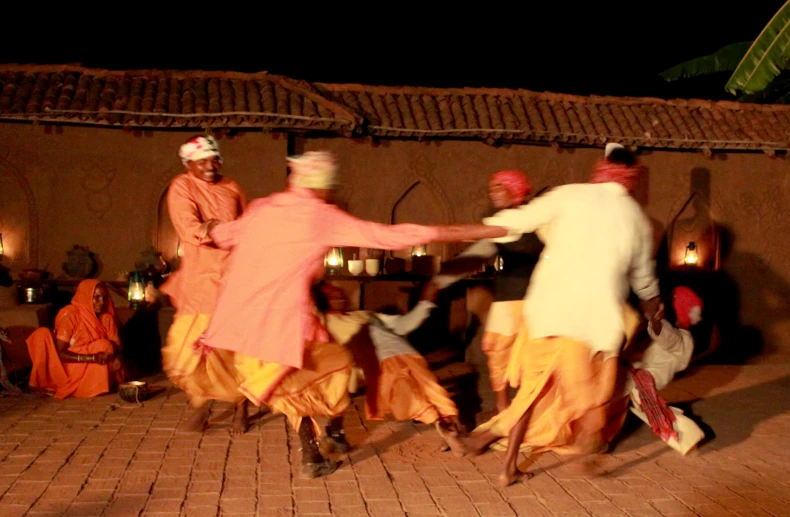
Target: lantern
(333, 260)
(1, 245)
(692, 255)
(419, 251)
(499, 263)
(136, 290)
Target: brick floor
(104, 458)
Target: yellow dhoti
(569, 392)
(409, 391)
(318, 389)
(203, 376)
(503, 324)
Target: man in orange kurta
(265, 313)
(198, 200)
(81, 358)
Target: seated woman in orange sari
(82, 357)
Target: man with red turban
(506, 189)
(600, 242)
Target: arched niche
(166, 238)
(420, 199)
(161, 232)
(18, 219)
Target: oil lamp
(692, 255)
(419, 251)
(333, 260)
(136, 290)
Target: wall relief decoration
(96, 183)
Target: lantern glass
(333, 260)
(692, 255)
(136, 289)
(419, 251)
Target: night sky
(602, 48)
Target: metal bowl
(134, 391)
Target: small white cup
(372, 266)
(355, 267)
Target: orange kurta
(77, 325)
(194, 288)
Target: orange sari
(77, 325)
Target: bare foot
(197, 422)
(239, 425)
(509, 477)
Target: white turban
(199, 148)
(611, 147)
(313, 169)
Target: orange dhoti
(570, 394)
(318, 389)
(81, 380)
(503, 324)
(409, 390)
(203, 376)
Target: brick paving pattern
(102, 457)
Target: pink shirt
(265, 309)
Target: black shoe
(337, 442)
(314, 470)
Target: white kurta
(668, 354)
(600, 241)
(388, 340)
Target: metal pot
(134, 391)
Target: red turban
(606, 172)
(685, 300)
(516, 183)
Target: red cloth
(516, 182)
(658, 413)
(607, 172)
(684, 300)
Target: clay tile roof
(172, 99)
(153, 98)
(520, 115)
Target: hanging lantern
(333, 261)
(419, 251)
(499, 263)
(136, 290)
(692, 255)
(1, 245)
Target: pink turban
(516, 183)
(608, 172)
(685, 301)
(199, 148)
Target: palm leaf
(767, 56)
(725, 59)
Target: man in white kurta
(599, 242)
